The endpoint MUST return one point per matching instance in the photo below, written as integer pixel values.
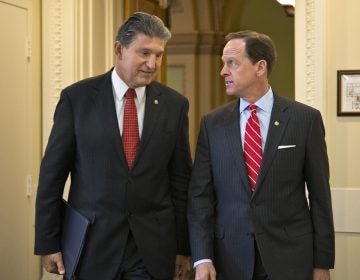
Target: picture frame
(348, 92)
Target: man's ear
(118, 48)
(261, 67)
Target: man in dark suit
(138, 204)
(261, 227)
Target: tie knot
(252, 108)
(130, 93)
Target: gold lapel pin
(156, 102)
(276, 123)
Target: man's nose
(151, 61)
(224, 71)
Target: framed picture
(348, 87)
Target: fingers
(182, 268)
(53, 263)
(205, 271)
(182, 275)
(321, 274)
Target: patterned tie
(130, 136)
(252, 146)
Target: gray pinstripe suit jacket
(225, 216)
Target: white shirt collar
(120, 88)
(265, 103)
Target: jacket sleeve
(54, 170)
(201, 206)
(317, 181)
(180, 170)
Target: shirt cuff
(202, 261)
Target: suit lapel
(153, 107)
(105, 104)
(277, 126)
(233, 141)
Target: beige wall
(342, 53)
(36, 126)
(20, 140)
(326, 42)
(343, 133)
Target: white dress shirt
(119, 90)
(263, 111)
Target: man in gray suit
(263, 227)
(137, 197)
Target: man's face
(241, 75)
(137, 65)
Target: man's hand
(205, 271)
(53, 263)
(182, 268)
(321, 274)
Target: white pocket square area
(286, 147)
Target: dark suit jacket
(150, 200)
(225, 216)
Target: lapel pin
(276, 123)
(156, 102)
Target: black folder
(74, 229)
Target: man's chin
(230, 92)
(147, 79)
(144, 82)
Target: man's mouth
(147, 72)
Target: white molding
(109, 33)
(346, 209)
(79, 40)
(58, 43)
(52, 61)
(310, 68)
(90, 39)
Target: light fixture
(289, 7)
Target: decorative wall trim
(53, 78)
(310, 68)
(346, 209)
(310, 52)
(56, 51)
(109, 33)
(77, 43)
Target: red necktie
(130, 136)
(252, 146)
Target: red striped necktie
(130, 136)
(252, 146)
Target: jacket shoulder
(225, 109)
(92, 82)
(294, 106)
(167, 91)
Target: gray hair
(142, 23)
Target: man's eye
(232, 63)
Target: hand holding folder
(74, 229)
